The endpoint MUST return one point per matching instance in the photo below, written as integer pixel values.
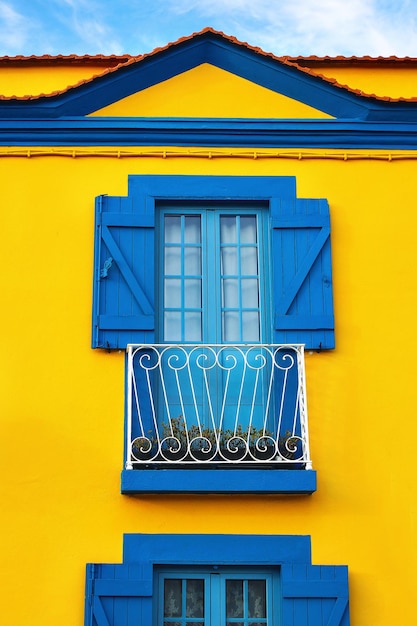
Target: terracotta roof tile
(116, 62)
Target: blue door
(215, 315)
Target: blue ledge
(229, 480)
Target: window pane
(228, 233)
(250, 293)
(172, 261)
(249, 260)
(195, 598)
(192, 326)
(234, 598)
(192, 261)
(172, 292)
(192, 293)
(231, 329)
(250, 326)
(257, 598)
(172, 228)
(192, 230)
(248, 229)
(172, 326)
(172, 597)
(229, 260)
(230, 292)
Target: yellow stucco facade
(62, 406)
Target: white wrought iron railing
(217, 404)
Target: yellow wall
(62, 403)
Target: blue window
(220, 580)
(214, 259)
(298, 235)
(214, 285)
(218, 596)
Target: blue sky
(322, 27)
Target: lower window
(217, 597)
(216, 580)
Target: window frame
(313, 594)
(215, 592)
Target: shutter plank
(302, 273)
(315, 595)
(123, 310)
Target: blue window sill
(226, 481)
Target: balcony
(216, 407)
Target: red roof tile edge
(300, 63)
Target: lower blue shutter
(302, 273)
(315, 595)
(123, 296)
(117, 595)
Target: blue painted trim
(239, 133)
(230, 480)
(211, 48)
(199, 549)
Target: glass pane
(172, 293)
(231, 329)
(257, 598)
(228, 233)
(229, 260)
(192, 261)
(172, 597)
(195, 598)
(172, 326)
(172, 261)
(192, 230)
(248, 229)
(230, 292)
(250, 326)
(250, 293)
(192, 326)
(172, 624)
(234, 598)
(173, 228)
(192, 293)
(249, 260)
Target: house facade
(209, 293)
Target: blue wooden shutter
(123, 298)
(315, 595)
(117, 595)
(302, 273)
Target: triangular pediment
(208, 91)
(244, 82)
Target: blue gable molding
(226, 133)
(206, 47)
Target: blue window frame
(218, 596)
(134, 283)
(299, 237)
(297, 592)
(214, 277)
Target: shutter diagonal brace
(126, 272)
(294, 285)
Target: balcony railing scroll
(217, 404)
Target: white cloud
(15, 30)
(375, 27)
(348, 27)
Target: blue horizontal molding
(199, 549)
(243, 133)
(226, 481)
